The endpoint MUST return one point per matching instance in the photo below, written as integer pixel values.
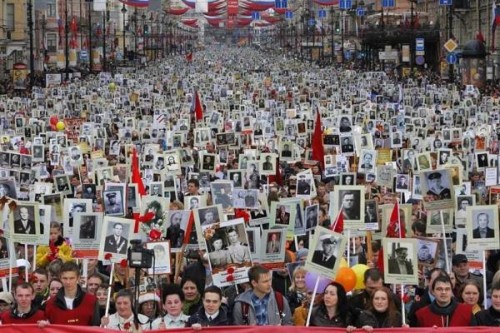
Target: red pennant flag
(189, 228)
(380, 260)
(318, 151)
(396, 227)
(338, 225)
(189, 57)
(198, 108)
(136, 174)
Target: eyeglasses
(443, 290)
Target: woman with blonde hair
(298, 290)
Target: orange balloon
(347, 278)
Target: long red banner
(242, 329)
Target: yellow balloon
(343, 263)
(60, 126)
(112, 86)
(359, 270)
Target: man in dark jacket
(212, 313)
(491, 316)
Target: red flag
(338, 225)
(317, 141)
(189, 228)
(396, 227)
(198, 108)
(73, 25)
(277, 177)
(380, 260)
(136, 174)
(189, 57)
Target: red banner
(232, 7)
(243, 329)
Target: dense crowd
(230, 135)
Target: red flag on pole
(318, 151)
(338, 225)
(396, 228)
(198, 108)
(189, 229)
(136, 174)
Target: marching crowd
(64, 292)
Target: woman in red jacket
(445, 311)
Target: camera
(138, 256)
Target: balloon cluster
(350, 278)
(56, 124)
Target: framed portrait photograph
(437, 189)
(416, 190)
(282, 214)
(482, 227)
(8, 188)
(367, 161)
(351, 200)
(227, 246)
(24, 223)
(400, 260)
(113, 202)
(222, 194)
(372, 218)
(209, 215)
(157, 206)
(325, 252)
(55, 201)
(267, 164)
(161, 263)
(311, 217)
(176, 226)
(424, 161)
(348, 178)
(133, 198)
(427, 251)
(62, 184)
(115, 238)
(45, 215)
(273, 253)
(254, 240)
(208, 162)
(236, 176)
(439, 219)
(192, 202)
(71, 208)
(248, 199)
(86, 234)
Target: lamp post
(451, 73)
(91, 61)
(44, 53)
(105, 17)
(32, 55)
(332, 21)
(124, 14)
(342, 22)
(66, 44)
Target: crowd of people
(230, 135)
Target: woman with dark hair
(381, 313)
(334, 310)
(192, 289)
(173, 303)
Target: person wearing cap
(461, 269)
(23, 311)
(212, 313)
(435, 187)
(325, 257)
(483, 230)
(399, 264)
(149, 306)
(303, 186)
(115, 243)
(112, 207)
(6, 301)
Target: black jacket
(200, 317)
(488, 317)
(319, 317)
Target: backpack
(279, 301)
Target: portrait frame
(430, 259)
(117, 254)
(356, 219)
(161, 265)
(184, 223)
(474, 214)
(437, 219)
(268, 258)
(254, 240)
(15, 226)
(84, 246)
(68, 206)
(432, 200)
(391, 247)
(322, 235)
(64, 186)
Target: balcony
(378, 36)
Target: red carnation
(154, 234)
(126, 326)
(230, 278)
(108, 256)
(123, 263)
(230, 270)
(241, 213)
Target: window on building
(51, 9)
(10, 17)
(51, 42)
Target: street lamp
(332, 18)
(124, 13)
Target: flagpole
(312, 301)
(403, 304)
(485, 301)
